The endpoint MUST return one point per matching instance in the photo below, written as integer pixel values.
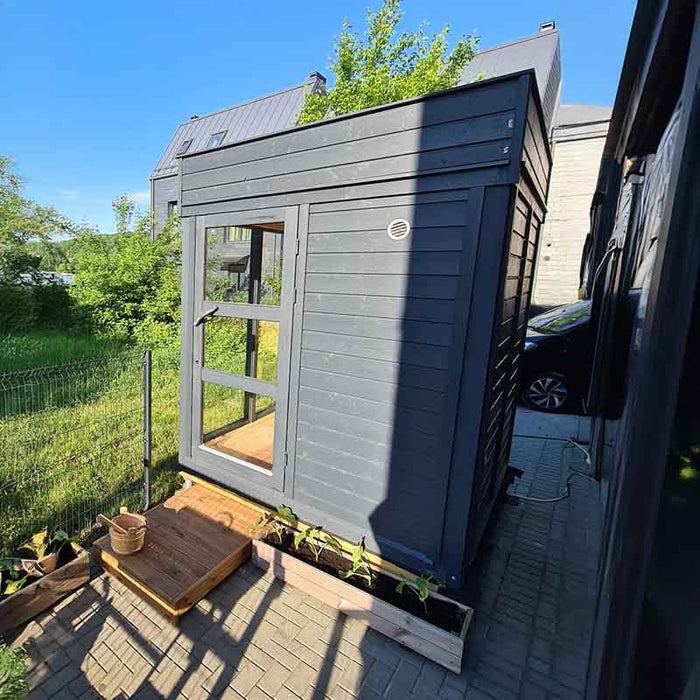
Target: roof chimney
(548, 26)
(318, 80)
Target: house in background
(258, 117)
(540, 51)
(577, 133)
(577, 140)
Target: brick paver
(533, 591)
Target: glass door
(244, 278)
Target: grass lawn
(20, 351)
(71, 436)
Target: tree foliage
(129, 285)
(23, 221)
(385, 65)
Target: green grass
(40, 348)
(71, 437)
(71, 428)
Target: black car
(556, 361)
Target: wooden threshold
(195, 540)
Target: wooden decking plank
(180, 534)
(159, 573)
(227, 512)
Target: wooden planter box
(432, 642)
(44, 592)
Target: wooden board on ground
(46, 591)
(195, 540)
(432, 642)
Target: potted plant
(36, 557)
(407, 608)
(13, 674)
(46, 567)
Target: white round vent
(398, 229)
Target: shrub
(129, 287)
(18, 309)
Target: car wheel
(547, 392)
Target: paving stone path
(533, 589)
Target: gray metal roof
(263, 115)
(576, 114)
(531, 52)
(575, 122)
(539, 51)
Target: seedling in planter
(43, 549)
(360, 566)
(420, 586)
(317, 541)
(273, 523)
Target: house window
(236, 233)
(172, 208)
(216, 139)
(184, 147)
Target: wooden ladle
(110, 523)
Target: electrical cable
(612, 247)
(568, 440)
(561, 497)
(572, 472)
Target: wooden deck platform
(251, 442)
(195, 540)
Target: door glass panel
(239, 425)
(244, 264)
(242, 346)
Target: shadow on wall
(466, 268)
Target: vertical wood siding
(510, 325)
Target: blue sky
(91, 92)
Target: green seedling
(317, 540)
(360, 566)
(421, 586)
(273, 523)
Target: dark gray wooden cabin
(367, 376)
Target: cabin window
(238, 424)
(244, 347)
(172, 208)
(216, 139)
(184, 147)
(244, 264)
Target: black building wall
(642, 274)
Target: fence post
(146, 429)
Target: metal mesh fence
(71, 439)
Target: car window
(562, 319)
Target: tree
(23, 221)
(386, 66)
(129, 285)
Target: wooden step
(195, 540)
